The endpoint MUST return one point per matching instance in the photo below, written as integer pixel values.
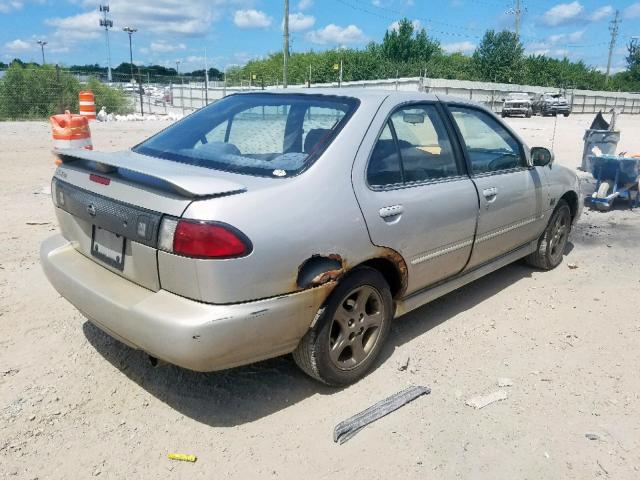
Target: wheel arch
(320, 269)
(392, 273)
(572, 200)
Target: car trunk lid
(186, 180)
(110, 205)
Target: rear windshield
(275, 135)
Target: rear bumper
(557, 109)
(193, 335)
(516, 110)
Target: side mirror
(541, 156)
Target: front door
(416, 196)
(510, 191)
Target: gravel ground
(76, 404)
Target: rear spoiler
(186, 180)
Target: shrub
(37, 92)
(113, 99)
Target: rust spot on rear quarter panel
(401, 266)
(320, 269)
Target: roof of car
(371, 94)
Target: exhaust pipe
(153, 361)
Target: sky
(230, 32)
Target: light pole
(518, 10)
(614, 25)
(130, 31)
(178, 67)
(42, 43)
(107, 24)
(224, 86)
(206, 78)
(285, 46)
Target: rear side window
(263, 134)
(413, 147)
(384, 165)
(491, 148)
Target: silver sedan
(299, 222)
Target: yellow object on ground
(183, 456)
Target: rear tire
(566, 114)
(528, 114)
(353, 325)
(553, 240)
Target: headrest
(314, 137)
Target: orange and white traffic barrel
(70, 131)
(87, 105)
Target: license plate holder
(108, 247)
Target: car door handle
(490, 193)
(391, 211)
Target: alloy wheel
(356, 327)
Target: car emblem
(91, 209)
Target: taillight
(199, 239)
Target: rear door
(510, 191)
(414, 192)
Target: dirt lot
(75, 404)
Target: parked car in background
(551, 104)
(299, 222)
(517, 103)
(133, 88)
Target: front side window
(259, 134)
(413, 147)
(490, 146)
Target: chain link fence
(38, 92)
(35, 92)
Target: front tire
(353, 325)
(553, 240)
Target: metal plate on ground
(108, 247)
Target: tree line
(405, 52)
(157, 73)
